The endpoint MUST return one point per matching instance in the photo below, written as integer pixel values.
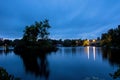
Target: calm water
(68, 63)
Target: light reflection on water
(94, 52)
(87, 50)
(68, 63)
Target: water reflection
(112, 55)
(36, 64)
(94, 52)
(116, 74)
(90, 50)
(86, 61)
(87, 50)
(5, 52)
(70, 50)
(74, 50)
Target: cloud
(96, 33)
(68, 18)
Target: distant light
(93, 40)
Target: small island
(36, 38)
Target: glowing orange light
(93, 40)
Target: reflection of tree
(73, 49)
(116, 74)
(6, 52)
(4, 75)
(113, 55)
(36, 64)
(70, 50)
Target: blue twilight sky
(68, 18)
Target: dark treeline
(36, 36)
(76, 42)
(53, 42)
(68, 42)
(6, 41)
(111, 38)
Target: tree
(111, 38)
(8, 42)
(35, 38)
(38, 30)
(43, 29)
(30, 33)
(1, 42)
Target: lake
(68, 63)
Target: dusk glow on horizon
(69, 19)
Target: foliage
(1, 42)
(30, 33)
(38, 30)
(116, 74)
(35, 38)
(72, 43)
(5, 76)
(43, 29)
(6, 42)
(111, 38)
(67, 43)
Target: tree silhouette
(38, 30)
(111, 38)
(35, 38)
(30, 33)
(43, 29)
